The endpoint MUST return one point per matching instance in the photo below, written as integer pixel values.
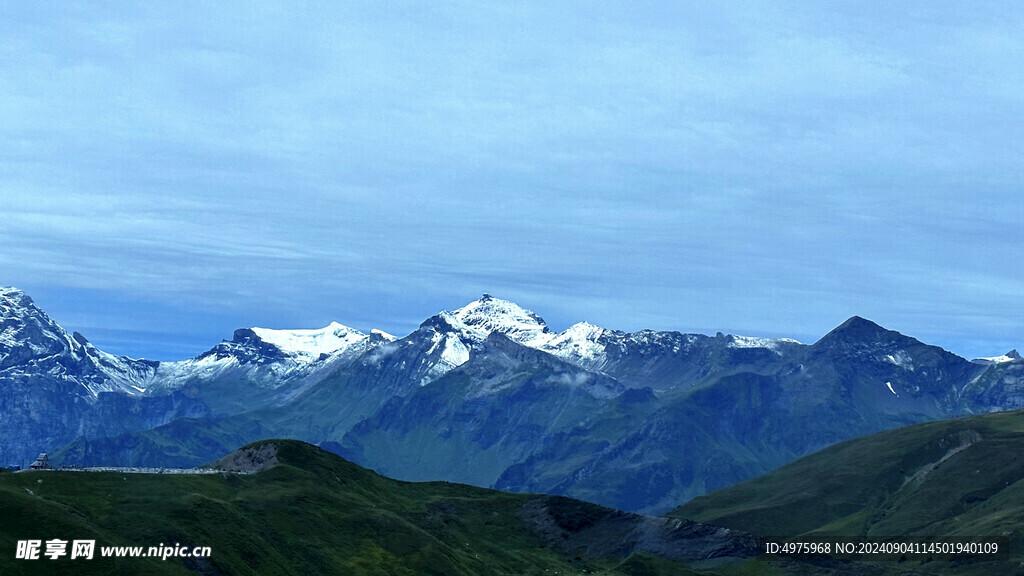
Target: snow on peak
(1008, 357)
(311, 343)
(475, 321)
(751, 342)
(579, 334)
(11, 292)
(578, 343)
(584, 330)
(25, 326)
(384, 335)
(489, 314)
(32, 341)
(16, 304)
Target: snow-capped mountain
(444, 341)
(270, 357)
(644, 358)
(476, 320)
(580, 344)
(312, 344)
(32, 344)
(57, 377)
(56, 386)
(488, 393)
(262, 367)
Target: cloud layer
(767, 168)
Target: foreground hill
(951, 481)
(297, 509)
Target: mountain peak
(859, 332)
(478, 319)
(578, 333)
(311, 343)
(584, 326)
(857, 328)
(30, 341)
(14, 297)
(26, 331)
(860, 337)
(11, 291)
(859, 323)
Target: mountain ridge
(638, 421)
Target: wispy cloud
(759, 167)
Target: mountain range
(488, 395)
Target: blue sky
(171, 172)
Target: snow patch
(902, 359)
(312, 343)
(995, 359)
(452, 351)
(736, 341)
(455, 352)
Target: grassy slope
(954, 481)
(314, 513)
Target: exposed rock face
(249, 459)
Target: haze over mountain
(487, 394)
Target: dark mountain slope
(858, 379)
(480, 418)
(949, 481)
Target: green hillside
(311, 512)
(951, 481)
